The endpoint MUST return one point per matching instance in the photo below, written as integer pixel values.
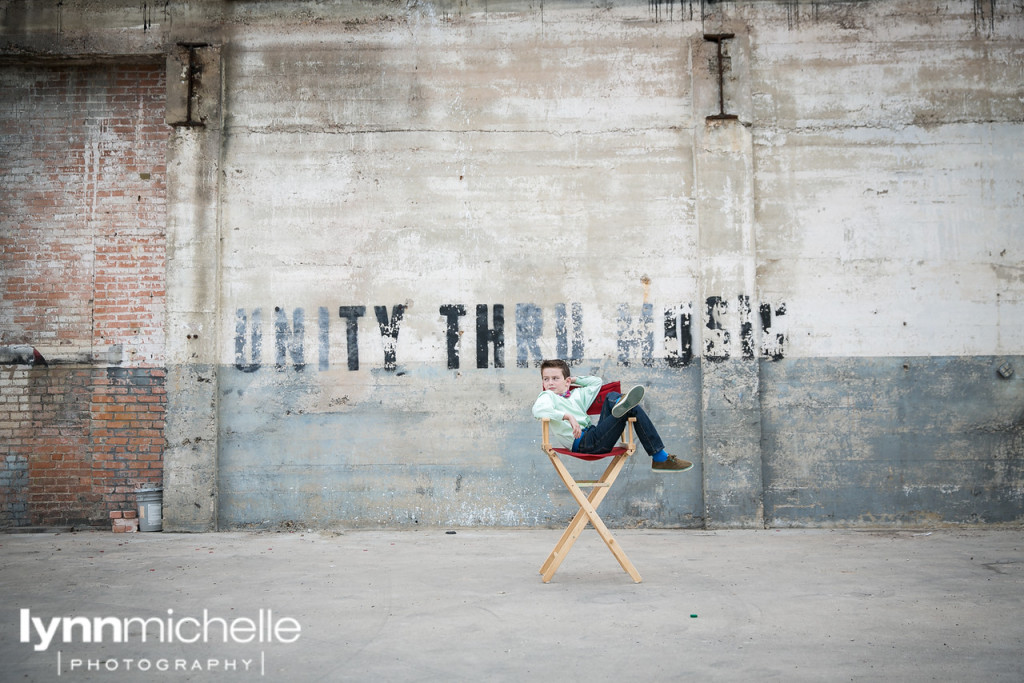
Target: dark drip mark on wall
(352, 315)
(984, 16)
(289, 339)
(389, 328)
(665, 10)
(661, 9)
(256, 341)
(486, 335)
(452, 313)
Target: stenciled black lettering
(647, 335)
(452, 312)
(529, 327)
(678, 331)
(746, 327)
(635, 342)
(633, 338)
(352, 314)
(490, 336)
(289, 338)
(716, 340)
(256, 341)
(773, 342)
(389, 328)
(575, 355)
(324, 317)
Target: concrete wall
(484, 191)
(797, 224)
(889, 195)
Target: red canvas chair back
(595, 407)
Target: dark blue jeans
(603, 436)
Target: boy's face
(552, 379)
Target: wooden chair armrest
(629, 432)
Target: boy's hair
(557, 363)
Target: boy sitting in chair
(565, 401)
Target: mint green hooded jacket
(554, 407)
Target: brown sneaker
(673, 464)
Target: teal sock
(660, 456)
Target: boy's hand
(576, 429)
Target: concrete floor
(425, 605)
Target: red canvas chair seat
(621, 450)
(588, 504)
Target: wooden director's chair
(599, 489)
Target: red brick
(121, 526)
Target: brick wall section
(82, 233)
(60, 487)
(127, 437)
(17, 405)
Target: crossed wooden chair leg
(588, 513)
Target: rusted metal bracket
(194, 72)
(718, 39)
